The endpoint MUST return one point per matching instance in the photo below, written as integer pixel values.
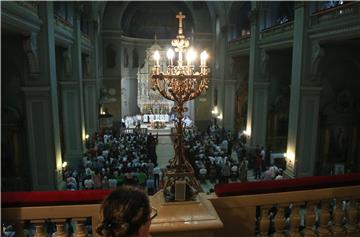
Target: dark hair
(124, 211)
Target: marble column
(41, 102)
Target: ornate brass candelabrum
(180, 83)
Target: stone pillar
(260, 110)
(91, 83)
(301, 119)
(41, 102)
(71, 98)
(307, 137)
(258, 84)
(71, 122)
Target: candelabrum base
(190, 188)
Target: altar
(149, 118)
(148, 100)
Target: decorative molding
(261, 84)
(31, 51)
(68, 61)
(35, 89)
(19, 18)
(89, 80)
(311, 90)
(63, 35)
(69, 84)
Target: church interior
(281, 87)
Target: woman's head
(125, 212)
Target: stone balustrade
(334, 13)
(321, 210)
(325, 212)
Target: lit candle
(157, 57)
(191, 55)
(170, 56)
(203, 57)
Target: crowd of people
(113, 160)
(219, 156)
(216, 155)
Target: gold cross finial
(180, 16)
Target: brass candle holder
(180, 83)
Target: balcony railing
(277, 29)
(340, 11)
(311, 206)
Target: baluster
(280, 221)
(39, 228)
(310, 219)
(60, 228)
(19, 229)
(295, 220)
(352, 218)
(323, 230)
(264, 221)
(80, 227)
(338, 230)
